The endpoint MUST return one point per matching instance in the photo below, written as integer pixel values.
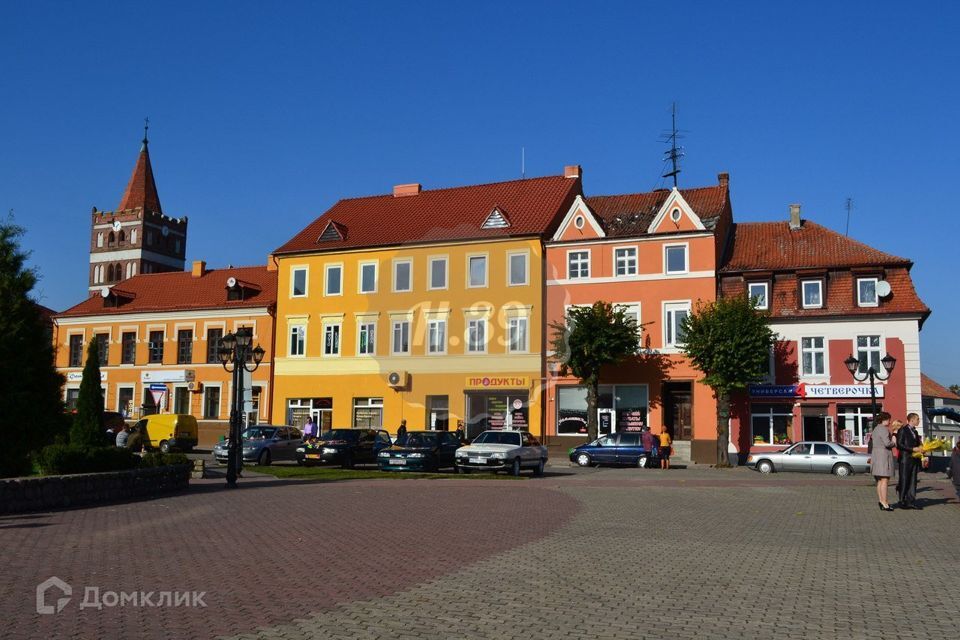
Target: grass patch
(336, 473)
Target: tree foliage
(591, 338)
(31, 411)
(87, 428)
(729, 341)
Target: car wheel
(842, 470)
(264, 458)
(515, 469)
(583, 460)
(642, 462)
(463, 470)
(347, 462)
(164, 447)
(299, 462)
(540, 466)
(765, 466)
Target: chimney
(271, 262)
(572, 171)
(723, 178)
(795, 222)
(199, 268)
(401, 190)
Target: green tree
(87, 428)
(31, 411)
(591, 338)
(729, 341)
(955, 388)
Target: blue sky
(263, 115)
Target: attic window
(496, 220)
(331, 232)
(675, 215)
(235, 293)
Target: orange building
(656, 254)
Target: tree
(87, 428)
(955, 388)
(590, 339)
(729, 341)
(30, 407)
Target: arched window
(111, 239)
(109, 273)
(99, 239)
(134, 270)
(118, 271)
(133, 237)
(121, 238)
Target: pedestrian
(908, 443)
(881, 458)
(402, 431)
(309, 429)
(122, 437)
(665, 449)
(111, 435)
(135, 441)
(894, 427)
(953, 471)
(459, 433)
(649, 445)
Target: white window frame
(813, 360)
(393, 336)
(203, 400)
(482, 323)
(876, 297)
(580, 275)
(879, 350)
(290, 330)
(396, 263)
(686, 258)
(366, 322)
(526, 268)
(328, 327)
(803, 293)
(439, 325)
(766, 294)
(486, 270)
(376, 276)
(513, 323)
(326, 279)
(306, 280)
(669, 319)
(626, 259)
(446, 272)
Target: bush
(61, 459)
(163, 459)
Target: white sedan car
(502, 451)
(815, 457)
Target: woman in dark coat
(908, 442)
(881, 458)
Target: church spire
(142, 190)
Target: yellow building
(158, 335)
(424, 306)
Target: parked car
(617, 448)
(168, 432)
(816, 457)
(263, 444)
(420, 451)
(345, 447)
(502, 451)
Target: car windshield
(339, 434)
(418, 439)
(498, 437)
(259, 433)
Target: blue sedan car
(616, 449)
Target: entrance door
(606, 422)
(678, 409)
(815, 428)
(496, 410)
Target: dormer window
(812, 292)
(235, 293)
(496, 220)
(758, 292)
(867, 292)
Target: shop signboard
(840, 391)
(497, 382)
(630, 420)
(773, 390)
(77, 376)
(169, 375)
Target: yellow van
(168, 432)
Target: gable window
(76, 350)
(368, 277)
(757, 292)
(518, 265)
(128, 347)
(401, 337)
(298, 340)
(675, 258)
(437, 336)
(331, 340)
(867, 292)
(868, 353)
(185, 346)
(402, 275)
(578, 264)
(334, 286)
(438, 273)
(298, 282)
(674, 313)
(213, 345)
(156, 347)
(517, 335)
(367, 339)
(477, 335)
(812, 356)
(477, 266)
(625, 259)
(812, 291)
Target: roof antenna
(146, 125)
(849, 207)
(523, 162)
(675, 153)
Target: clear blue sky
(264, 114)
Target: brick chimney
(795, 221)
(199, 268)
(723, 178)
(402, 190)
(271, 262)
(572, 171)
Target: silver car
(817, 457)
(263, 444)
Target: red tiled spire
(142, 190)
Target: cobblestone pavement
(613, 553)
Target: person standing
(122, 437)
(665, 447)
(881, 458)
(309, 429)
(953, 471)
(908, 443)
(402, 431)
(649, 445)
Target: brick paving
(610, 553)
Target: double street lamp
(871, 373)
(236, 356)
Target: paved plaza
(611, 553)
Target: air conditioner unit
(397, 379)
(195, 386)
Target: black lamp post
(853, 366)
(235, 352)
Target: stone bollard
(199, 469)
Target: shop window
(771, 423)
(320, 409)
(855, 422)
(368, 277)
(438, 413)
(867, 292)
(125, 401)
(368, 413)
(298, 282)
(812, 356)
(578, 264)
(626, 261)
(184, 346)
(71, 399)
(758, 292)
(402, 275)
(156, 347)
(438, 273)
(211, 403)
(76, 350)
(571, 411)
(367, 339)
(812, 291)
(213, 345)
(868, 353)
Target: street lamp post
(871, 373)
(236, 356)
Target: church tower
(137, 237)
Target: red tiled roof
(631, 214)
(534, 206)
(932, 389)
(142, 189)
(772, 246)
(181, 291)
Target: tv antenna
(675, 152)
(523, 162)
(849, 207)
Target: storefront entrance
(678, 409)
(817, 425)
(496, 410)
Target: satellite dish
(104, 292)
(883, 288)
(231, 282)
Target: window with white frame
(368, 277)
(298, 282)
(812, 291)
(675, 258)
(517, 335)
(867, 292)
(812, 356)
(625, 259)
(477, 266)
(518, 266)
(578, 264)
(758, 292)
(771, 423)
(331, 339)
(632, 311)
(402, 275)
(477, 335)
(868, 353)
(298, 339)
(367, 338)
(334, 285)
(438, 273)
(401, 337)
(437, 336)
(674, 314)
(858, 421)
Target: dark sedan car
(345, 447)
(420, 451)
(616, 448)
